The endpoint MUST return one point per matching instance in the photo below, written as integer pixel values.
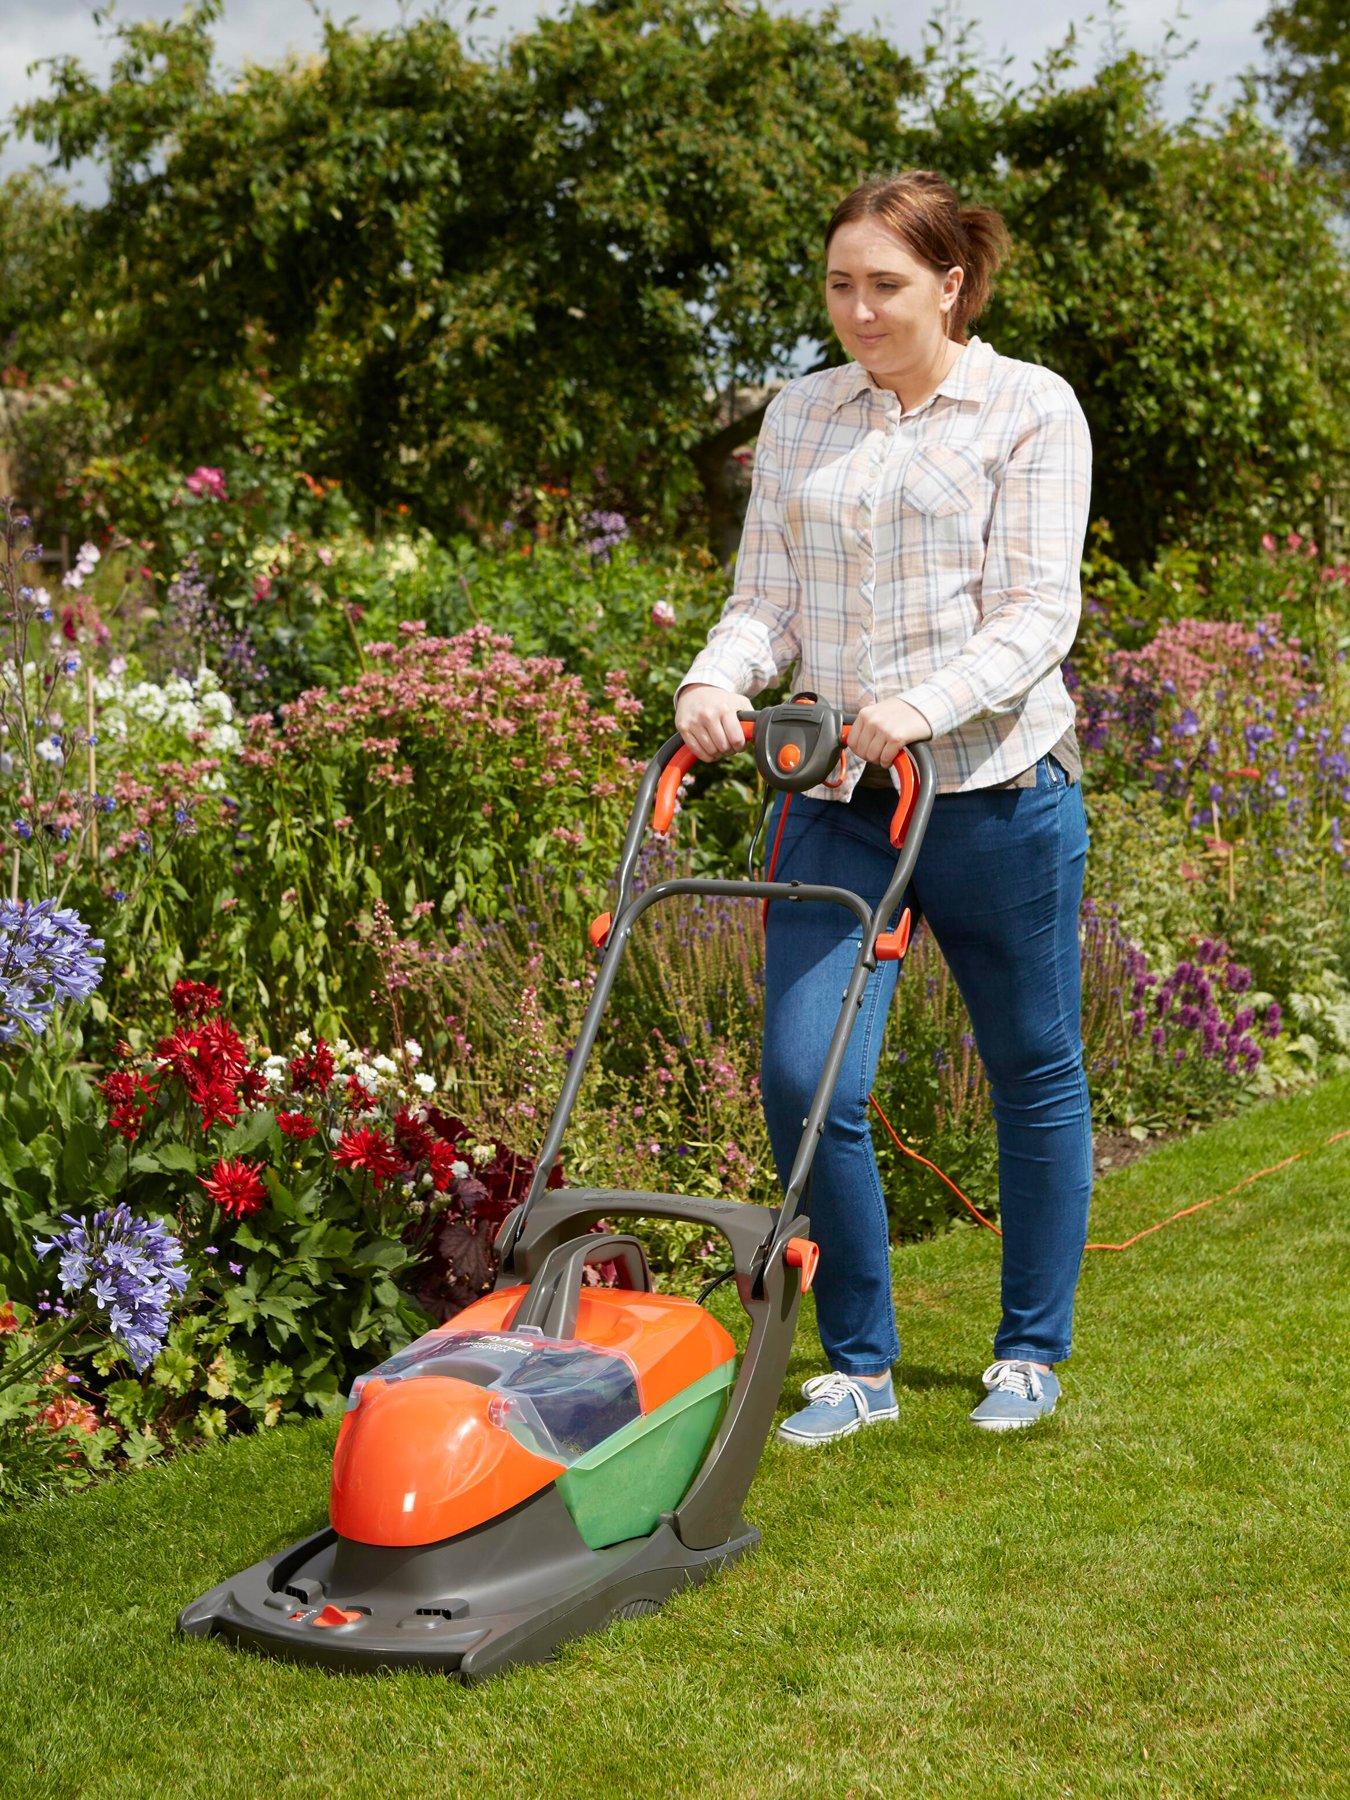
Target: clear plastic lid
(556, 1397)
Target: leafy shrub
(326, 1207)
(52, 1436)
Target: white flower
(50, 752)
(367, 1078)
(425, 1084)
(459, 1170)
(412, 1050)
(402, 559)
(385, 1064)
(481, 1153)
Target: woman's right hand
(705, 718)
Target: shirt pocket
(942, 479)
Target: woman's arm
(1032, 598)
(757, 636)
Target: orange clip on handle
(801, 1253)
(599, 929)
(909, 787)
(892, 945)
(668, 788)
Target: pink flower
(663, 613)
(210, 482)
(1267, 540)
(325, 555)
(262, 587)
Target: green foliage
(290, 1296)
(51, 1438)
(1309, 86)
(1187, 280)
(439, 279)
(598, 613)
(468, 271)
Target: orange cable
(1181, 1213)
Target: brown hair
(924, 210)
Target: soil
(1115, 1149)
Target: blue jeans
(999, 879)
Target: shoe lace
(1018, 1378)
(834, 1388)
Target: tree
(441, 277)
(1310, 84)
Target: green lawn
(1144, 1595)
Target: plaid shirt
(931, 554)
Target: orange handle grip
(668, 788)
(909, 787)
(684, 759)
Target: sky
(1224, 31)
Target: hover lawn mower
(558, 1454)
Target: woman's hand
(883, 728)
(705, 718)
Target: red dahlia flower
(194, 999)
(412, 1136)
(441, 1160)
(296, 1125)
(253, 1086)
(129, 1098)
(359, 1097)
(210, 1060)
(235, 1187)
(370, 1150)
(314, 1069)
(217, 1101)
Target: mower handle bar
(768, 729)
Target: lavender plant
(1184, 1052)
(196, 629)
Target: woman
(912, 541)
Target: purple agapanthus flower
(46, 957)
(125, 1270)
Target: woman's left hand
(883, 728)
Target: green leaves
(249, 1135)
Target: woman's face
(886, 306)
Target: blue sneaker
(839, 1407)
(1019, 1394)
